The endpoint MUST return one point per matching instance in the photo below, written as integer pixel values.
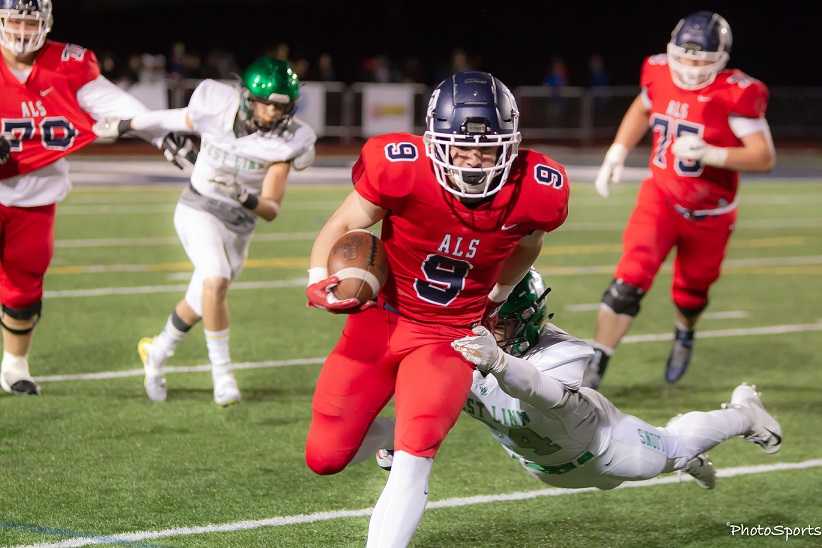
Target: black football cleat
(25, 388)
(680, 355)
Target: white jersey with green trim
(225, 156)
(545, 436)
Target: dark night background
(778, 42)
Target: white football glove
(482, 350)
(230, 188)
(611, 169)
(690, 147)
(109, 130)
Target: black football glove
(5, 150)
(180, 150)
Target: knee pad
(29, 313)
(623, 298)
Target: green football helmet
(522, 315)
(268, 81)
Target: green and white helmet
(522, 315)
(268, 81)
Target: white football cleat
(226, 391)
(766, 431)
(154, 381)
(702, 470)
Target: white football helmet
(15, 20)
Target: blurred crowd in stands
(183, 63)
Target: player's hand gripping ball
(358, 261)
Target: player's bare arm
(633, 126)
(355, 212)
(513, 270)
(273, 192)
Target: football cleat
(16, 379)
(154, 382)
(385, 459)
(22, 387)
(702, 470)
(766, 431)
(226, 391)
(680, 355)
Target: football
(358, 260)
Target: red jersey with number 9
(705, 112)
(443, 256)
(41, 117)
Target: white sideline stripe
(443, 503)
(169, 288)
(654, 337)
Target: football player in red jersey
(708, 124)
(463, 211)
(51, 95)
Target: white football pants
(214, 250)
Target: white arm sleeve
(742, 127)
(102, 99)
(522, 380)
(162, 120)
(646, 101)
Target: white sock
(164, 344)
(696, 432)
(14, 368)
(379, 436)
(217, 344)
(402, 502)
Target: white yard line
(298, 519)
(584, 307)
(736, 332)
(718, 315)
(169, 288)
(728, 265)
(630, 339)
(172, 240)
(726, 315)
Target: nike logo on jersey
(703, 98)
(44, 92)
(510, 227)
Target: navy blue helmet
(472, 110)
(699, 49)
(16, 32)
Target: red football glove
(491, 315)
(320, 296)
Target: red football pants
(654, 228)
(379, 355)
(26, 248)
